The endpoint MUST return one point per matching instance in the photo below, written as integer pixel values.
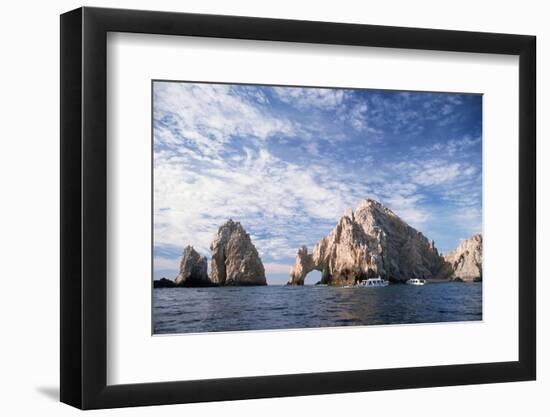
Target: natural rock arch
(303, 265)
(372, 241)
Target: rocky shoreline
(368, 242)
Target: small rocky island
(163, 283)
(373, 241)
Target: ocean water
(222, 309)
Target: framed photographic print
(258, 207)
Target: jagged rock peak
(235, 260)
(349, 214)
(466, 261)
(193, 269)
(369, 242)
(368, 204)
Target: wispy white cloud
(209, 115)
(435, 171)
(448, 148)
(163, 263)
(324, 98)
(357, 116)
(275, 268)
(408, 208)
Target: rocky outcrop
(302, 266)
(369, 242)
(163, 283)
(193, 270)
(465, 263)
(235, 260)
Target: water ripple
(184, 310)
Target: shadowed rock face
(466, 261)
(366, 243)
(235, 260)
(163, 283)
(193, 270)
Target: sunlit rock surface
(466, 261)
(235, 260)
(368, 242)
(193, 270)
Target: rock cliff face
(366, 243)
(466, 261)
(235, 260)
(193, 270)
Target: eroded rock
(465, 263)
(235, 260)
(193, 270)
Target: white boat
(416, 281)
(373, 282)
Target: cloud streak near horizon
(286, 162)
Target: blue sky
(286, 162)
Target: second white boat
(416, 281)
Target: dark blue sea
(222, 309)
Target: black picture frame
(84, 207)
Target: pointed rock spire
(235, 260)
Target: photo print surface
(284, 207)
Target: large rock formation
(193, 270)
(466, 261)
(235, 260)
(366, 243)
